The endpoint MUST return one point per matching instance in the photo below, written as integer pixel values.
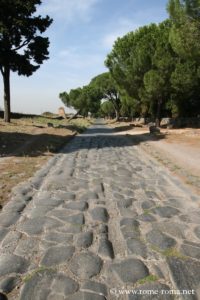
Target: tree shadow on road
(23, 144)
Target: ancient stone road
(101, 219)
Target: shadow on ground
(95, 137)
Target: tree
(22, 48)
(84, 100)
(185, 41)
(107, 109)
(108, 90)
(130, 59)
(157, 79)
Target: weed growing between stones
(170, 252)
(147, 279)
(30, 275)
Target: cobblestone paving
(101, 218)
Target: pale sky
(81, 36)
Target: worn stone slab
(71, 228)
(130, 270)
(84, 239)
(106, 249)
(38, 285)
(137, 247)
(95, 287)
(124, 203)
(9, 283)
(8, 219)
(148, 204)
(160, 240)
(89, 196)
(172, 228)
(192, 250)
(129, 221)
(165, 211)
(3, 297)
(58, 237)
(152, 291)
(57, 255)
(78, 205)
(10, 263)
(3, 232)
(86, 265)
(197, 231)
(100, 214)
(27, 247)
(32, 226)
(84, 295)
(185, 274)
(64, 285)
(146, 218)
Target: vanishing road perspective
(102, 220)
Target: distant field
(28, 142)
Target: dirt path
(179, 150)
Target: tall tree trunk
(74, 116)
(116, 115)
(158, 113)
(6, 82)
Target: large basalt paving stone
(86, 296)
(9, 283)
(86, 265)
(166, 211)
(12, 264)
(160, 240)
(106, 249)
(79, 205)
(148, 204)
(57, 255)
(192, 250)
(8, 219)
(27, 247)
(129, 231)
(95, 287)
(3, 232)
(146, 218)
(58, 237)
(100, 214)
(60, 214)
(89, 196)
(65, 196)
(46, 199)
(84, 239)
(151, 195)
(125, 203)
(64, 285)
(32, 226)
(152, 291)
(197, 231)
(3, 297)
(172, 228)
(130, 270)
(51, 223)
(38, 285)
(40, 211)
(71, 228)
(129, 221)
(186, 275)
(15, 207)
(137, 247)
(77, 219)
